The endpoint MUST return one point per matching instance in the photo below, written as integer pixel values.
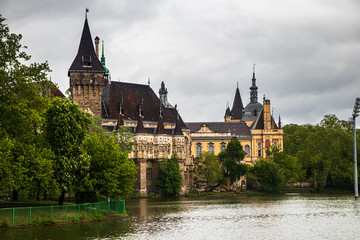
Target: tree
(170, 179)
(231, 161)
(111, 173)
(65, 128)
(268, 176)
(208, 168)
(24, 97)
(124, 138)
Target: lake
(218, 217)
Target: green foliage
(208, 168)
(66, 126)
(124, 138)
(324, 151)
(170, 179)
(111, 173)
(266, 174)
(5, 223)
(231, 161)
(24, 97)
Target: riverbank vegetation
(48, 145)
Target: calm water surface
(218, 217)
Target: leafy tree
(65, 128)
(112, 174)
(231, 161)
(24, 97)
(267, 175)
(124, 138)
(208, 168)
(170, 179)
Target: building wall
(86, 89)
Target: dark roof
(55, 91)
(178, 130)
(221, 127)
(86, 53)
(260, 122)
(160, 129)
(131, 95)
(120, 122)
(140, 126)
(227, 112)
(237, 108)
(250, 110)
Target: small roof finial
(149, 81)
(86, 12)
(160, 111)
(264, 98)
(254, 70)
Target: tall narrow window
(149, 173)
(223, 146)
(198, 150)
(247, 150)
(211, 148)
(259, 149)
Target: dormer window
(255, 112)
(86, 61)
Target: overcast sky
(307, 52)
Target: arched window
(211, 148)
(223, 146)
(198, 149)
(247, 150)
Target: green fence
(74, 212)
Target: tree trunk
(61, 198)
(45, 195)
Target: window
(247, 150)
(178, 149)
(198, 150)
(223, 146)
(259, 149)
(161, 149)
(149, 173)
(140, 148)
(211, 148)
(275, 144)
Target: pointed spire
(103, 59)
(238, 107)
(160, 129)
(253, 88)
(86, 59)
(140, 126)
(120, 121)
(178, 130)
(279, 123)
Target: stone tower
(87, 75)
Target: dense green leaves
(170, 179)
(231, 161)
(208, 169)
(112, 174)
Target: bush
(5, 223)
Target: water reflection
(231, 217)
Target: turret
(253, 89)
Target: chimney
(267, 115)
(97, 40)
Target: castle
(157, 126)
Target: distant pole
(355, 114)
(355, 165)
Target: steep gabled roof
(259, 124)
(227, 112)
(178, 130)
(86, 53)
(130, 96)
(120, 122)
(237, 107)
(160, 129)
(140, 126)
